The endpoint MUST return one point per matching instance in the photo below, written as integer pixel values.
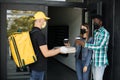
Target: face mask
(83, 31)
(96, 26)
(44, 25)
(84, 38)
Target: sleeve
(40, 38)
(104, 38)
(89, 56)
(78, 49)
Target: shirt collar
(36, 28)
(100, 29)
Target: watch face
(78, 38)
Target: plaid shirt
(99, 47)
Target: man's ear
(101, 23)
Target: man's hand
(85, 69)
(80, 42)
(63, 50)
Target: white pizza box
(70, 49)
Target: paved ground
(56, 71)
(11, 71)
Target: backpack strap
(33, 31)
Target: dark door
(91, 10)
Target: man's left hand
(80, 42)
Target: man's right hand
(80, 42)
(63, 50)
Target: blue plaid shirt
(99, 47)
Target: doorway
(27, 7)
(65, 23)
(71, 18)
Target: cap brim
(47, 18)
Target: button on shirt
(99, 47)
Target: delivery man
(38, 39)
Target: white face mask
(44, 25)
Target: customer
(99, 47)
(83, 55)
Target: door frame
(22, 5)
(3, 31)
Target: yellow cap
(39, 15)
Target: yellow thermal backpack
(22, 49)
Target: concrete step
(18, 76)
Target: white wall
(71, 17)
